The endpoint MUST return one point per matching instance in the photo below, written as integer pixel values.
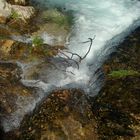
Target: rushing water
(109, 20)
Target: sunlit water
(109, 20)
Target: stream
(99, 26)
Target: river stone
(65, 114)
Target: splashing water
(109, 20)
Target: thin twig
(91, 42)
(69, 58)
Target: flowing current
(108, 22)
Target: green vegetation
(14, 15)
(54, 16)
(37, 41)
(38, 47)
(123, 73)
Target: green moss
(123, 73)
(14, 15)
(37, 41)
(40, 48)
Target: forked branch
(80, 57)
(71, 57)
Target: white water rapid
(109, 20)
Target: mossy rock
(123, 73)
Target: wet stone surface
(117, 105)
(10, 88)
(65, 114)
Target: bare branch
(69, 58)
(91, 42)
(74, 54)
(65, 54)
(82, 58)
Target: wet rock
(11, 49)
(9, 73)
(10, 89)
(65, 114)
(10, 86)
(117, 105)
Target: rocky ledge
(117, 106)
